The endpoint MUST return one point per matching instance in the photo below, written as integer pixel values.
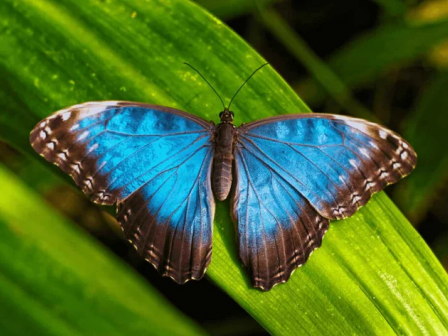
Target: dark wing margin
(154, 162)
(296, 172)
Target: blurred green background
(383, 60)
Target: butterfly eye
(220, 114)
(232, 114)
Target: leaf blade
(90, 292)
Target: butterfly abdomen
(223, 160)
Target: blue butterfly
(163, 167)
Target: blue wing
(155, 162)
(296, 172)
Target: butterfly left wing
(155, 162)
(296, 172)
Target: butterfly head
(226, 116)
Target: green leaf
(228, 9)
(56, 280)
(426, 131)
(373, 274)
(375, 52)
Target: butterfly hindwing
(296, 172)
(155, 162)
(278, 228)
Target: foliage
(373, 53)
(428, 119)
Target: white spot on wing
(364, 152)
(97, 107)
(383, 134)
(42, 134)
(404, 155)
(95, 146)
(356, 199)
(109, 103)
(83, 135)
(359, 126)
(66, 115)
(94, 110)
(63, 156)
(373, 144)
(76, 167)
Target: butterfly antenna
(207, 83)
(253, 73)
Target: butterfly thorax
(223, 158)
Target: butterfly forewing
(155, 162)
(296, 172)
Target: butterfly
(289, 176)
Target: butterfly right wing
(296, 172)
(155, 162)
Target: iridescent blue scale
(162, 167)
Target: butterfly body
(164, 168)
(223, 157)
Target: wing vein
(262, 203)
(160, 163)
(155, 135)
(285, 171)
(187, 199)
